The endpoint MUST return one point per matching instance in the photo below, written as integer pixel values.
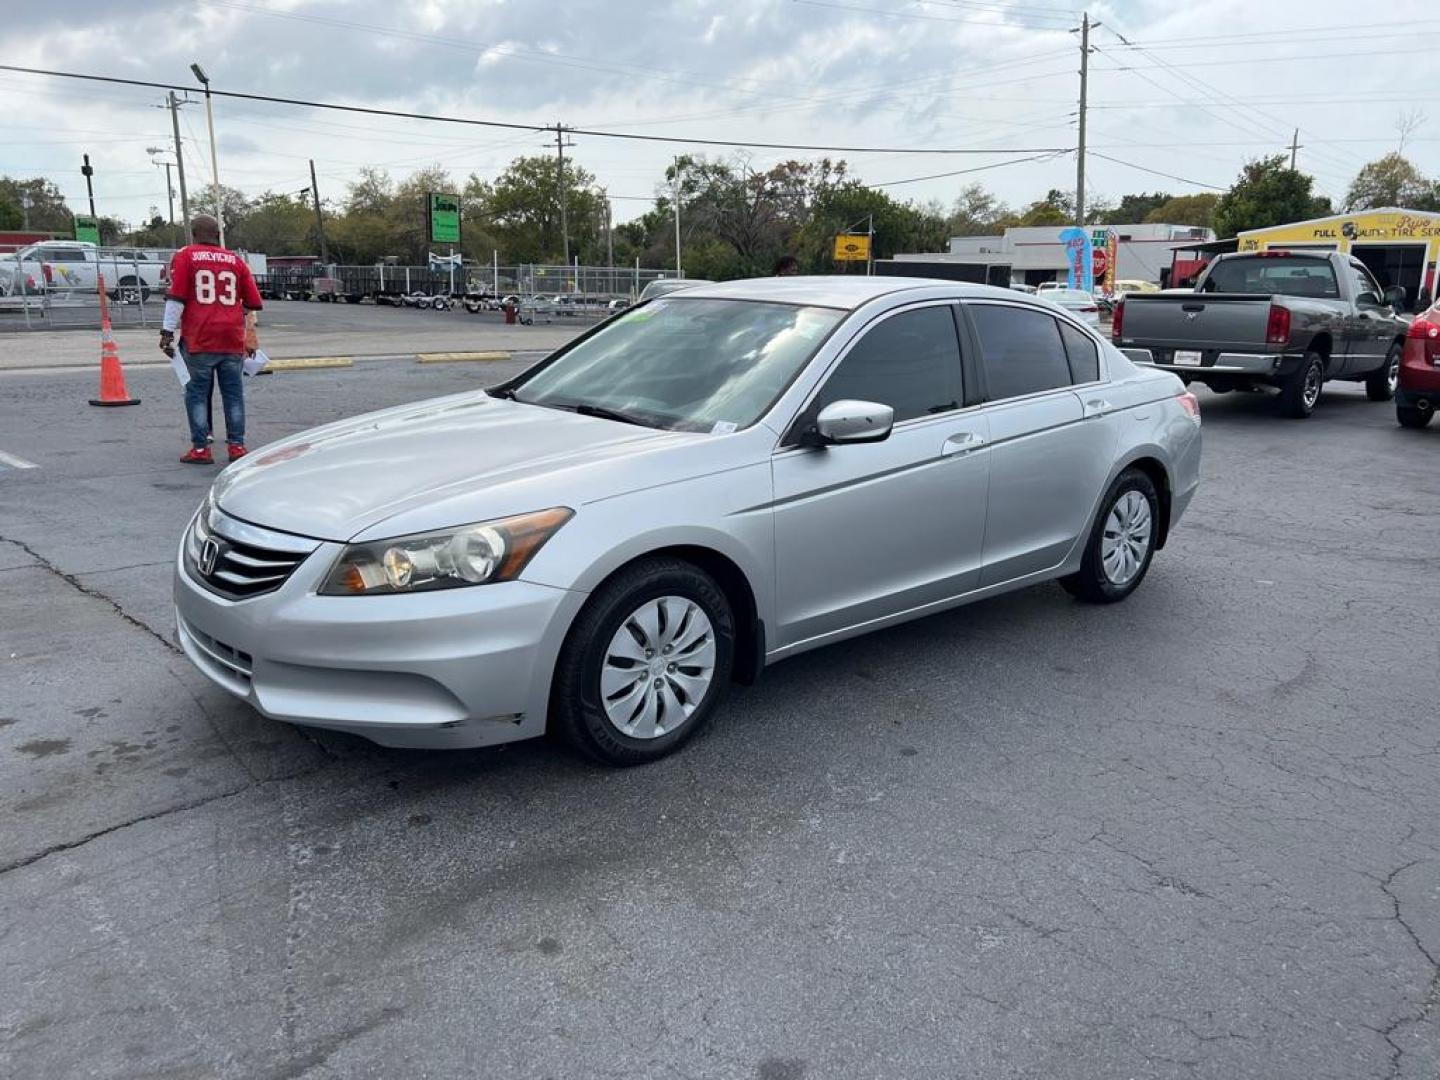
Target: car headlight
(447, 559)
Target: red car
(1418, 394)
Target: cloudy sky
(1200, 88)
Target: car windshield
(686, 364)
(1290, 275)
(1074, 296)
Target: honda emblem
(209, 553)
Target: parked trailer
(288, 283)
(383, 284)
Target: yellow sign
(1341, 231)
(852, 247)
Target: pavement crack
(76, 583)
(1431, 1001)
(179, 808)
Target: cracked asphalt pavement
(1193, 835)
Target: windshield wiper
(585, 409)
(504, 392)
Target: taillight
(1423, 329)
(1191, 404)
(1117, 321)
(1277, 326)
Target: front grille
(237, 569)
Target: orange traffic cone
(112, 376)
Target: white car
(1077, 302)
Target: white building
(1031, 255)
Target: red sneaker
(235, 451)
(199, 457)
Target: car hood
(435, 464)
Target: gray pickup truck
(1285, 319)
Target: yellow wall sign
(1343, 230)
(852, 247)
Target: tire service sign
(444, 213)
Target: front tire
(1301, 391)
(1122, 542)
(645, 664)
(1413, 416)
(1380, 385)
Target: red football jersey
(216, 288)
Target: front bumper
(456, 668)
(1238, 365)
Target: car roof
(839, 291)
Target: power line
(963, 172)
(1157, 172)
(630, 135)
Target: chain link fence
(56, 287)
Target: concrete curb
(459, 357)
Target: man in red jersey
(211, 289)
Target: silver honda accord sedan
(697, 488)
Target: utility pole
(180, 165)
(1294, 148)
(678, 272)
(1085, 25)
(560, 183)
(320, 221)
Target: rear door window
(1021, 351)
(1082, 353)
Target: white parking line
(13, 462)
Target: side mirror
(1395, 297)
(852, 422)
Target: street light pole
(87, 172)
(214, 158)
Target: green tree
(1057, 208)
(898, 226)
(1185, 210)
(976, 212)
(1391, 181)
(276, 225)
(10, 216)
(1267, 192)
(47, 209)
(521, 210)
(1133, 209)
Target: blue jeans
(225, 368)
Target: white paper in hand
(255, 364)
(181, 369)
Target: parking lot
(1192, 835)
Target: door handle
(1096, 407)
(966, 442)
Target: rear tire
(1300, 392)
(1121, 544)
(626, 626)
(1413, 416)
(1380, 385)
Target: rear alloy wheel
(1122, 542)
(1380, 386)
(1300, 392)
(1414, 416)
(645, 664)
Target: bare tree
(1406, 125)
